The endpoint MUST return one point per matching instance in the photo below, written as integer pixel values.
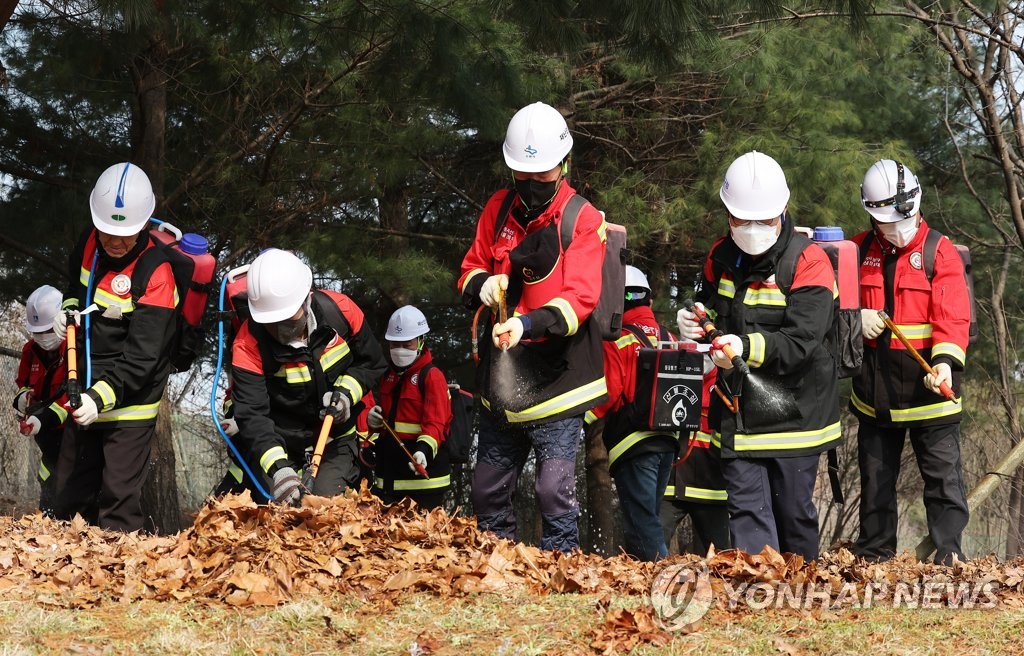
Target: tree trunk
(7, 8)
(160, 504)
(394, 215)
(600, 500)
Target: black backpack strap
(865, 246)
(332, 315)
(147, 263)
(785, 267)
(931, 245)
(506, 205)
(570, 213)
(639, 334)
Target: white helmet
(537, 139)
(122, 201)
(636, 278)
(278, 283)
(41, 307)
(890, 192)
(754, 188)
(406, 323)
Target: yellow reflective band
(272, 455)
(431, 442)
(788, 440)
(236, 472)
(83, 277)
(352, 386)
(402, 485)
(105, 299)
(568, 314)
(705, 493)
(727, 288)
(861, 406)
(630, 440)
(130, 413)
(560, 403)
(372, 439)
(670, 491)
(402, 427)
(44, 473)
(59, 410)
(757, 350)
(295, 374)
(106, 393)
(771, 296)
(835, 290)
(485, 403)
(914, 331)
(470, 276)
(602, 231)
(626, 340)
(949, 349)
(69, 303)
(589, 417)
(700, 437)
(27, 388)
(333, 355)
(922, 412)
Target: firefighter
(302, 353)
(697, 487)
(123, 352)
(892, 396)
(534, 394)
(769, 458)
(415, 403)
(639, 459)
(40, 396)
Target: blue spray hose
(213, 395)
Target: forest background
(366, 135)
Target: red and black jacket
(130, 338)
(417, 405)
(554, 292)
(935, 317)
(784, 337)
(278, 390)
(41, 373)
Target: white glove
(87, 413)
(489, 292)
(871, 323)
(514, 328)
(31, 426)
(718, 355)
(375, 418)
(943, 374)
(420, 459)
(22, 401)
(686, 321)
(286, 486)
(229, 426)
(60, 325)
(341, 409)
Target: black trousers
(937, 450)
(49, 453)
(770, 503)
(100, 473)
(710, 524)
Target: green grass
(516, 624)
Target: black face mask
(536, 195)
(289, 330)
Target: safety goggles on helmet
(902, 202)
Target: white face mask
(403, 357)
(754, 238)
(46, 341)
(899, 233)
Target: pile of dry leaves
(243, 554)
